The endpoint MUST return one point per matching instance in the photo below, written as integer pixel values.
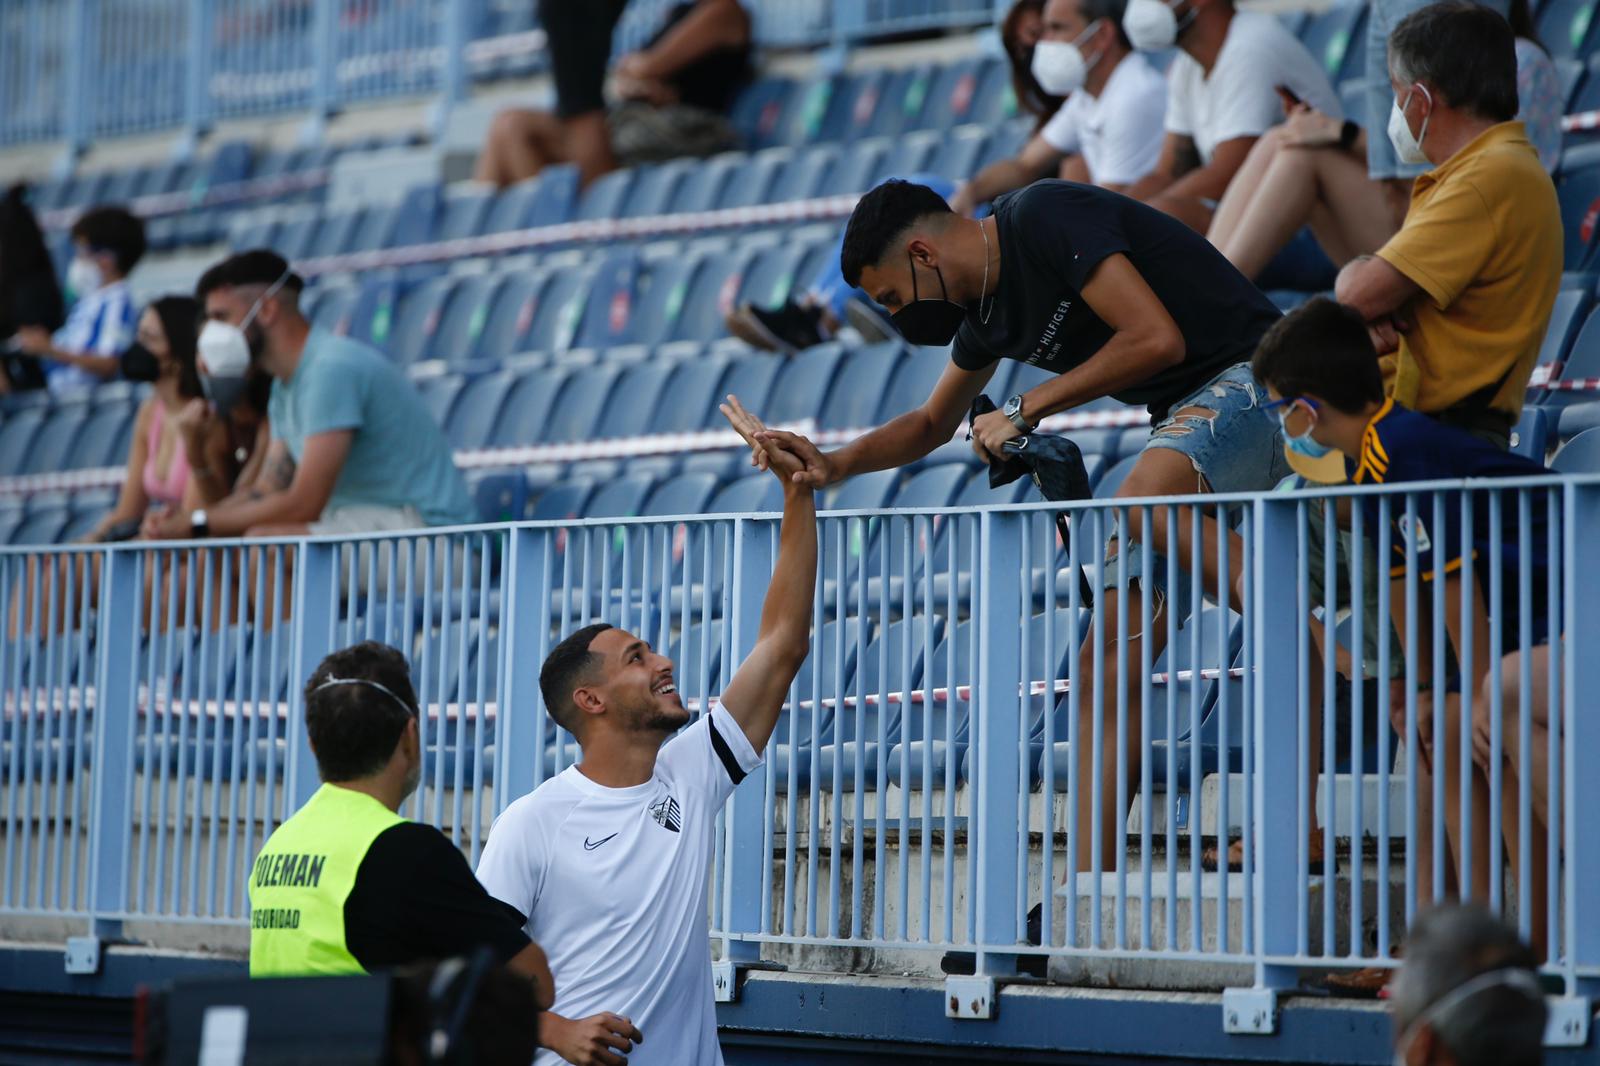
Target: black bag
(1056, 466)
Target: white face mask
(84, 276)
(1408, 149)
(225, 353)
(1059, 66)
(1151, 25)
(1521, 980)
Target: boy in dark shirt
(1320, 369)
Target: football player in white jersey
(608, 861)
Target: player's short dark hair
(114, 229)
(259, 266)
(567, 667)
(354, 728)
(1321, 348)
(1464, 51)
(881, 216)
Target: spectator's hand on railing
(167, 523)
(599, 1040)
(1307, 127)
(793, 458)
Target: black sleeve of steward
(415, 898)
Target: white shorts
(368, 518)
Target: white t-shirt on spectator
(100, 323)
(1240, 98)
(613, 882)
(1118, 133)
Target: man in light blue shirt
(354, 450)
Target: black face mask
(139, 364)
(929, 322)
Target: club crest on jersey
(667, 814)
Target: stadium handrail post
(525, 643)
(116, 718)
(313, 624)
(1581, 728)
(997, 732)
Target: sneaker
(965, 963)
(869, 321)
(786, 328)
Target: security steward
(347, 885)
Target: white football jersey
(613, 882)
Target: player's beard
(660, 716)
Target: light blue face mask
(1304, 444)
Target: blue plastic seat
(685, 494)
(912, 382)
(657, 187)
(802, 384)
(770, 278)
(933, 486)
(1580, 455)
(803, 178)
(376, 229)
(557, 311)
(563, 501)
(623, 497)
(500, 496)
(1578, 193)
(105, 436)
(510, 316)
(372, 314)
(753, 494)
(465, 314)
(663, 290)
(758, 111)
(958, 153)
(950, 95)
(898, 103)
(608, 305)
(751, 379)
(43, 525)
(711, 295)
(1334, 37)
(864, 492)
(542, 201)
(858, 386)
(439, 393)
(526, 408)
(606, 195)
(1583, 361)
(858, 168)
(55, 439)
(689, 397)
(576, 410)
(416, 320)
(1565, 27)
(463, 212)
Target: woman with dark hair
(1020, 31)
(161, 470)
(29, 295)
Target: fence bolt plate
(1567, 1023)
(1249, 1011)
(724, 981)
(83, 955)
(969, 997)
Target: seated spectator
(1020, 31)
(1223, 94)
(158, 462)
(1318, 366)
(1459, 298)
(1468, 993)
(353, 449)
(674, 93)
(1109, 130)
(826, 306)
(29, 295)
(1312, 171)
(108, 242)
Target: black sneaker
(786, 328)
(964, 963)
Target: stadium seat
(685, 494)
(558, 309)
(1580, 455)
(1566, 318)
(463, 212)
(500, 496)
(542, 201)
(562, 502)
(864, 492)
(913, 381)
(525, 405)
(509, 321)
(55, 439)
(623, 497)
(1531, 434)
(950, 96)
(1331, 36)
(710, 296)
(465, 314)
(751, 380)
(758, 111)
(933, 486)
(44, 522)
(857, 168)
(773, 275)
(105, 436)
(657, 186)
(1564, 27)
(802, 384)
(416, 320)
(439, 392)
(689, 397)
(376, 229)
(855, 397)
(1583, 361)
(17, 433)
(752, 494)
(372, 314)
(604, 197)
(577, 410)
(608, 305)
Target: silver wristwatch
(1013, 411)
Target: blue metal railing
(940, 763)
(77, 70)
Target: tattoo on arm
(1186, 158)
(279, 472)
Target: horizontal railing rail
(1198, 729)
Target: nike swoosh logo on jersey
(590, 845)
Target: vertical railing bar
(1382, 562)
(1147, 623)
(1173, 687)
(1525, 578)
(1305, 725)
(1496, 701)
(1196, 600)
(1468, 662)
(1220, 711)
(1358, 608)
(1120, 813)
(1438, 712)
(908, 542)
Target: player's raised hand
(767, 452)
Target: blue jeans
(829, 288)
(1238, 448)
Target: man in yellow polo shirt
(1459, 299)
(347, 885)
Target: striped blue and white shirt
(100, 323)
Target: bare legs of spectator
(1281, 188)
(1190, 210)
(523, 142)
(1517, 765)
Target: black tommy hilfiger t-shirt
(1053, 234)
